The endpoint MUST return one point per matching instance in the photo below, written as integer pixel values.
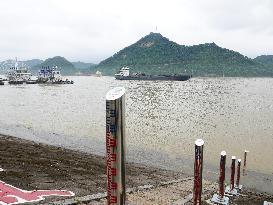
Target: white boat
(18, 75)
(123, 72)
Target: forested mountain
(82, 65)
(265, 59)
(84, 68)
(7, 64)
(33, 62)
(155, 54)
(66, 67)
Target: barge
(124, 74)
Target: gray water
(163, 120)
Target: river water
(163, 119)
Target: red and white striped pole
(115, 146)
(222, 175)
(198, 169)
(244, 168)
(232, 176)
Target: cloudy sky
(92, 30)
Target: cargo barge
(124, 74)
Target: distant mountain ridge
(33, 62)
(155, 54)
(66, 67)
(265, 59)
(84, 68)
(7, 64)
(82, 65)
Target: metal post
(230, 189)
(238, 186)
(115, 146)
(220, 198)
(198, 169)
(222, 174)
(232, 176)
(244, 168)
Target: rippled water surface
(163, 118)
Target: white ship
(18, 75)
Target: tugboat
(51, 76)
(18, 75)
(124, 74)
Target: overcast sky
(92, 30)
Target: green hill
(265, 59)
(66, 67)
(33, 62)
(84, 68)
(82, 65)
(155, 54)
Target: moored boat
(16, 82)
(51, 76)
(18, 75)
(124, 74)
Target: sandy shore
(30, 166)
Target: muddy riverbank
(31, 166)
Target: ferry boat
(51, 76)
(124, 74)
(18, 75)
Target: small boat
(98, 74)
(63, 82)
(124, 74)
(16, 82)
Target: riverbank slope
(30, 166)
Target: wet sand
(30, 166)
